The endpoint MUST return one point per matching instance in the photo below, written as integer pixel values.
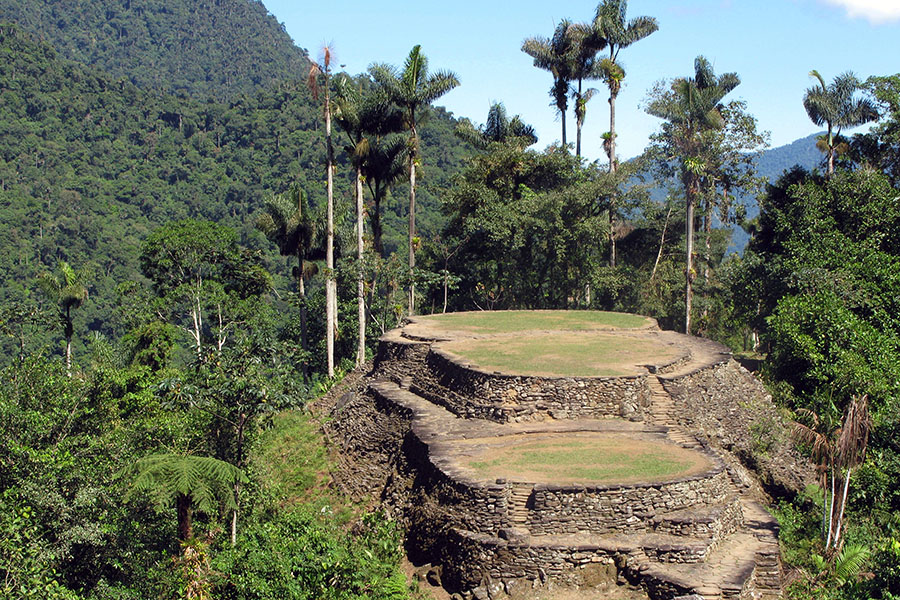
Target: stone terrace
(404, 432)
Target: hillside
(772, 164)
(89, 165)
(201, 48)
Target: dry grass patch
(564, 354)
(511, 321)
(584, 457)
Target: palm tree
(413, 89)
(587, 42)
(692, 108)
(498, 129)
(834, 106)
(68, 290)
(820, 437)
(556, 56)
(364, 118)
(347, 113)
(317, 71)
(851, 449)
(610, 24)
(836, 447)
(384, 167)
(287, 221)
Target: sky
(771, 44)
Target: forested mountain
(89, 165)
(202, 48)
(772, 164)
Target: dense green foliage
(88, 167)
(173, 235)
(155, 44)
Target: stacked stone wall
(728, 408)
(473, 393)
(716, 522)
(570, 509)
(472, 559)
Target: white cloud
(876, 11)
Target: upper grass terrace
(515, 321)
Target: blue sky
(771, 44)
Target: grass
(563, 355)
(511, 321)
(598, 458)
(290, 458)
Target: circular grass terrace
(565, 354)
(516, 321)
(600, 458)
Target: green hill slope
(217, 48)
(88, 166)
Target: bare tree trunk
(360, 284)
(68, 332)
(562, 117)
(662, 243)
(840, 520)
(613, 165)
(578, 122)
(831, 512)
(446, 285)
(612, 169)
(183, 509)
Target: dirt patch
(565, 354)
(579, 458)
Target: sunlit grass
(604, 459)
(510, 321)
(562, 354)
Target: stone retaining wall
(715, 521)
(473, 559)
(472, 393)
(726, 407)
(552, 509)
(522, 397)
(569, 509)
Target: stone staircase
(518, 504)
(662, 412)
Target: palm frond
(849, 562)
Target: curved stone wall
(569, 509)
(485, 507)
(523, 397)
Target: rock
(433, 576)
(512, 534)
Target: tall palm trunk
(412, 221)
(562, 117)
(330, 287)
(689, 254)
(360, 284)
(612, 169)
(579, 120)
(68, 331)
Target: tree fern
(190, 482)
